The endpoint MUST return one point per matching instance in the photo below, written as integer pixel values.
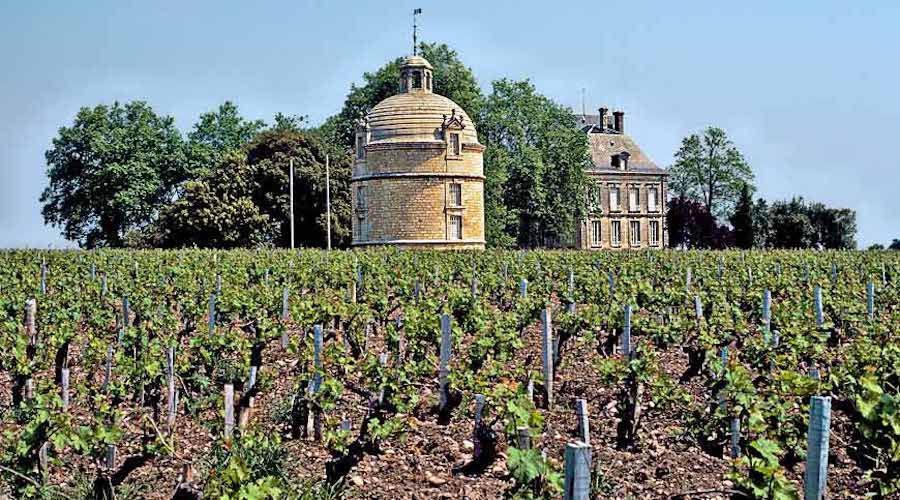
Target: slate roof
(606, 142)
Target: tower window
(456, 194)
(454, 145)
(456, 227)
(361, 199)
(427, 81)
(360, 147)
(417, 79)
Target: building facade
(626, 197)
(418, 178)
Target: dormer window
(623, 160)
(417, 79)
(454, 144)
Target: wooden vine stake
(817, 298)
(816, 477)
(477, 431)
(581, 412)
(578, 471)
(229, 411)
(314, 424)
(43, 277)
(212, 314)
(523, 438)
(767, 310)
(107, 373)
(870, 300)
(444, 369)
(170, 388)
(30, 322)
(627, 348)
(687, 282)
(64, 383)
(523, 288)
(547, 343)
(735, 437)
(111, 453)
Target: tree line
(123, 175)
(712, 184)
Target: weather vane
(415, 13)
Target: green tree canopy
(217, 134)
(895, 245)
(110, 172)
(452, 79)
(534, 164)
(711, 170)
(800, 224)
(244, 200)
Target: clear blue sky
(808, 90)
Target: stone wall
(407, 196)
(605, 215)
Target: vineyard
(399, 374)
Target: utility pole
(327, 203)
(292, 203)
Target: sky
(807, 90)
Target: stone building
(627, 195)
(418, 178)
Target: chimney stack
(619, 121)
(602, 120)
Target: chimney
(602, 121)
(619, 121)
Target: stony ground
(421, 463)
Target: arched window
(417, 79)
(428, 81)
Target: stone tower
(418, 179)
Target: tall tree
(711, 170)
(452, 79)
(895, 245)
(742, 220)
(244, 201)
(110, 172)
(217, 134)
(535, 162)
(762, 224)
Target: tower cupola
(416, 75)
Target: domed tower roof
(417, 114)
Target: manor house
(627, 193)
